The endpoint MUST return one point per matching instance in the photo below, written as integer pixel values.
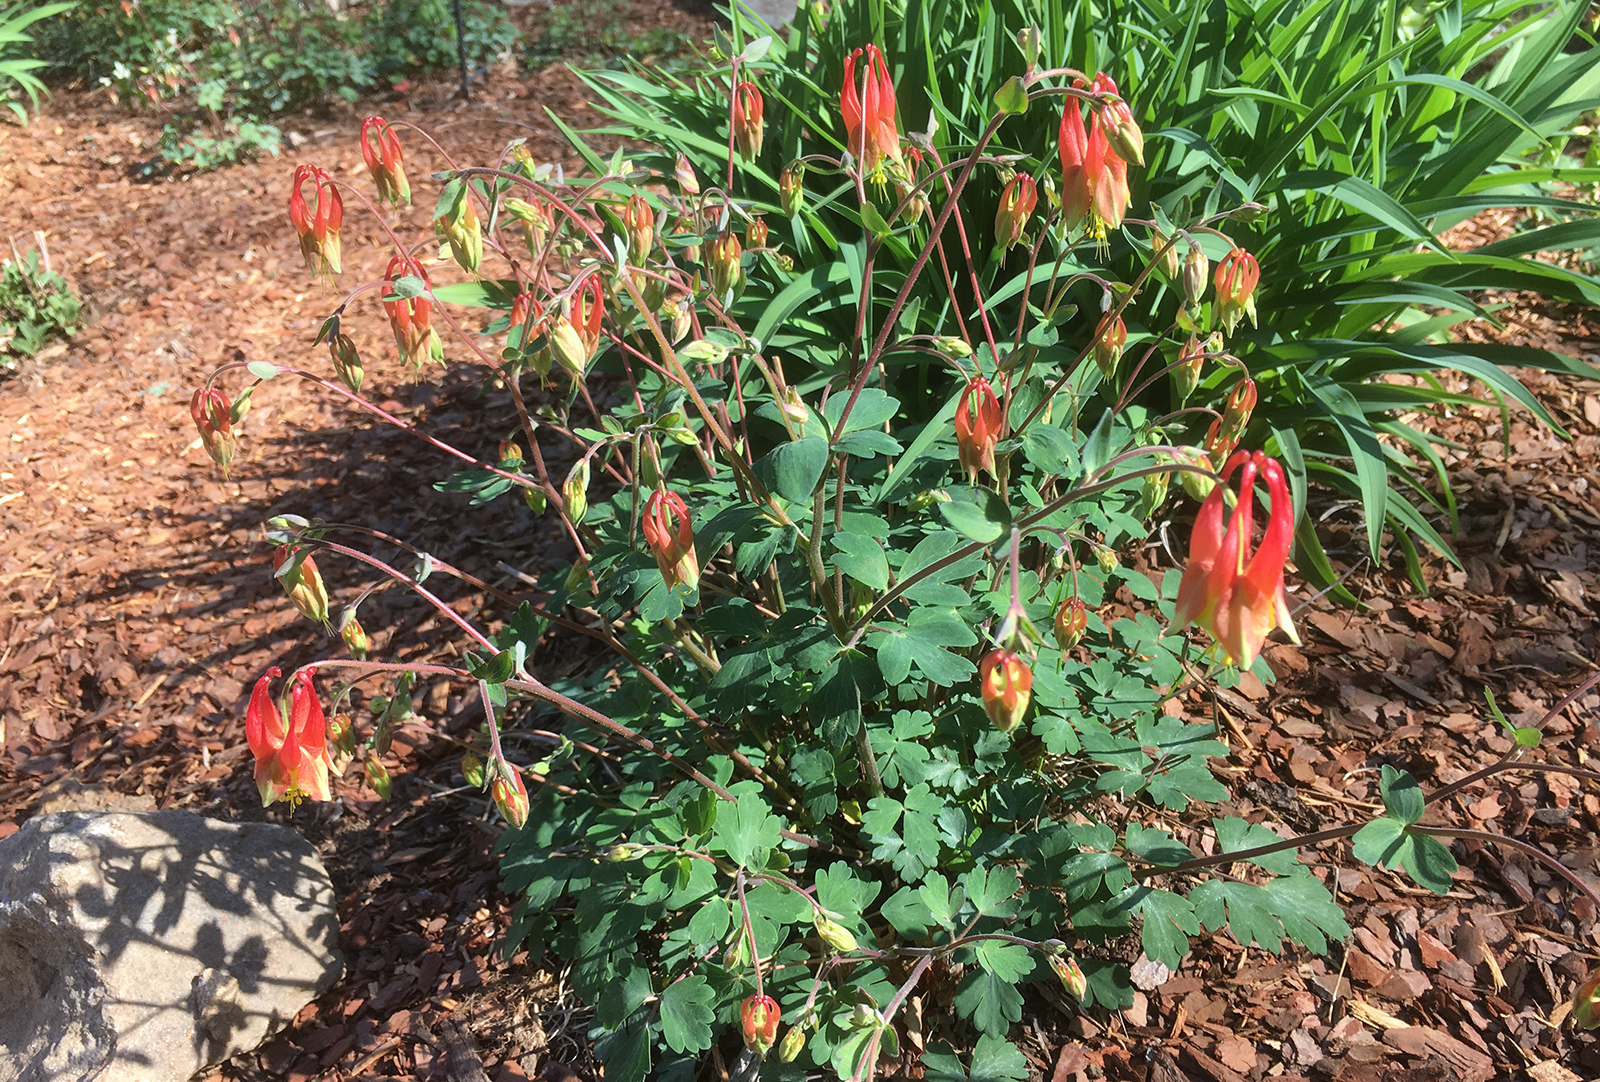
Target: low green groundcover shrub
(847, 382)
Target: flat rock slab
(143, 947)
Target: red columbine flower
(410, 318)
(1117, 120)
(1007, 684)
(1094, 178)
(318, 228)
(1233, 593)
(1236, 280)
(1072, 620)
(747, 111)
(576, 336)
(213, 416)
(868, 109)
(291, 755)
(303, 583)
(1017, 201)
(670, 534)
(978, 428)
(758, 1017)
(1109, 339)
(522, 307)
(384, 161)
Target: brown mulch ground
(137, 607)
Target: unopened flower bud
(1072, 620)
(1586, 1003)
(793, 409)
(355, 637)
(1030, 40)
(1109, 339)
(833, 933)
(1017, 201)
(1196, 271)
(302, 582)
(510, 455)
(510, 795)
(1106, 558)
(213, 416)
(722, 261)
(1169, 258)
(793, 1041)
(640, 222)
(535, 499)
(683, 172)
(378, 777)
(342, 734)
(755, 234)
(952, 346)
(577, 574)
(1196, 483)
(1186, 375)
(1072, 979)
(346, 361)
(472, 770)
(465, 236)
(621, 854)
(1116, 120)
(792, 188)
(575, 491)
(1007, 685)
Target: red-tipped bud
(758, 1019)
(302, 582)
(1016, 204)
(380, 149)
(536, 223)
(669, 533)
(1191, 362)
(1233, 593)
(978, 421)
(1109, 339)
(410, 317)
(722, 261)
(1236, 280)
(748, 108)
(640, 222)
(213, 416)
(1072, 620)
(355, 637)
(755, 234)
(378, 777)
(576, 337)
(792, 188)
(290, 747)
(683, 172)
(1166, 250)
(510, 794)
(1241, 403)
(1121, 130)
(1007, 685)
(317, 223)
(1072, 979)
(867, 105)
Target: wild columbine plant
(823, 486)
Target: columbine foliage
(815, 410)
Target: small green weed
(35, 305)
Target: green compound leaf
(1402, 796)
(1296, 906)
(1169, 921)
(905, 834)
(990, 891)
(792, 470)
(686, 1014)
(1386, 843)
(990, 1001)
(923, 640)
(862, 559)
(995, 1059)
(747, 832)
(1235, 835)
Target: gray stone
(145, 947)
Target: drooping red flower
(317, 225)
(868, 107)
(758, 1019)
(380, 149)
(978, 420)
(1117, 120)
(213, 416)
(1237, 277)
(1017, 201)
(1071, 621)
(1094, 177)
(748, 108)
(291, 753)
(1006, 686)
(669, 532)
(411, 317)
(1236, 594)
